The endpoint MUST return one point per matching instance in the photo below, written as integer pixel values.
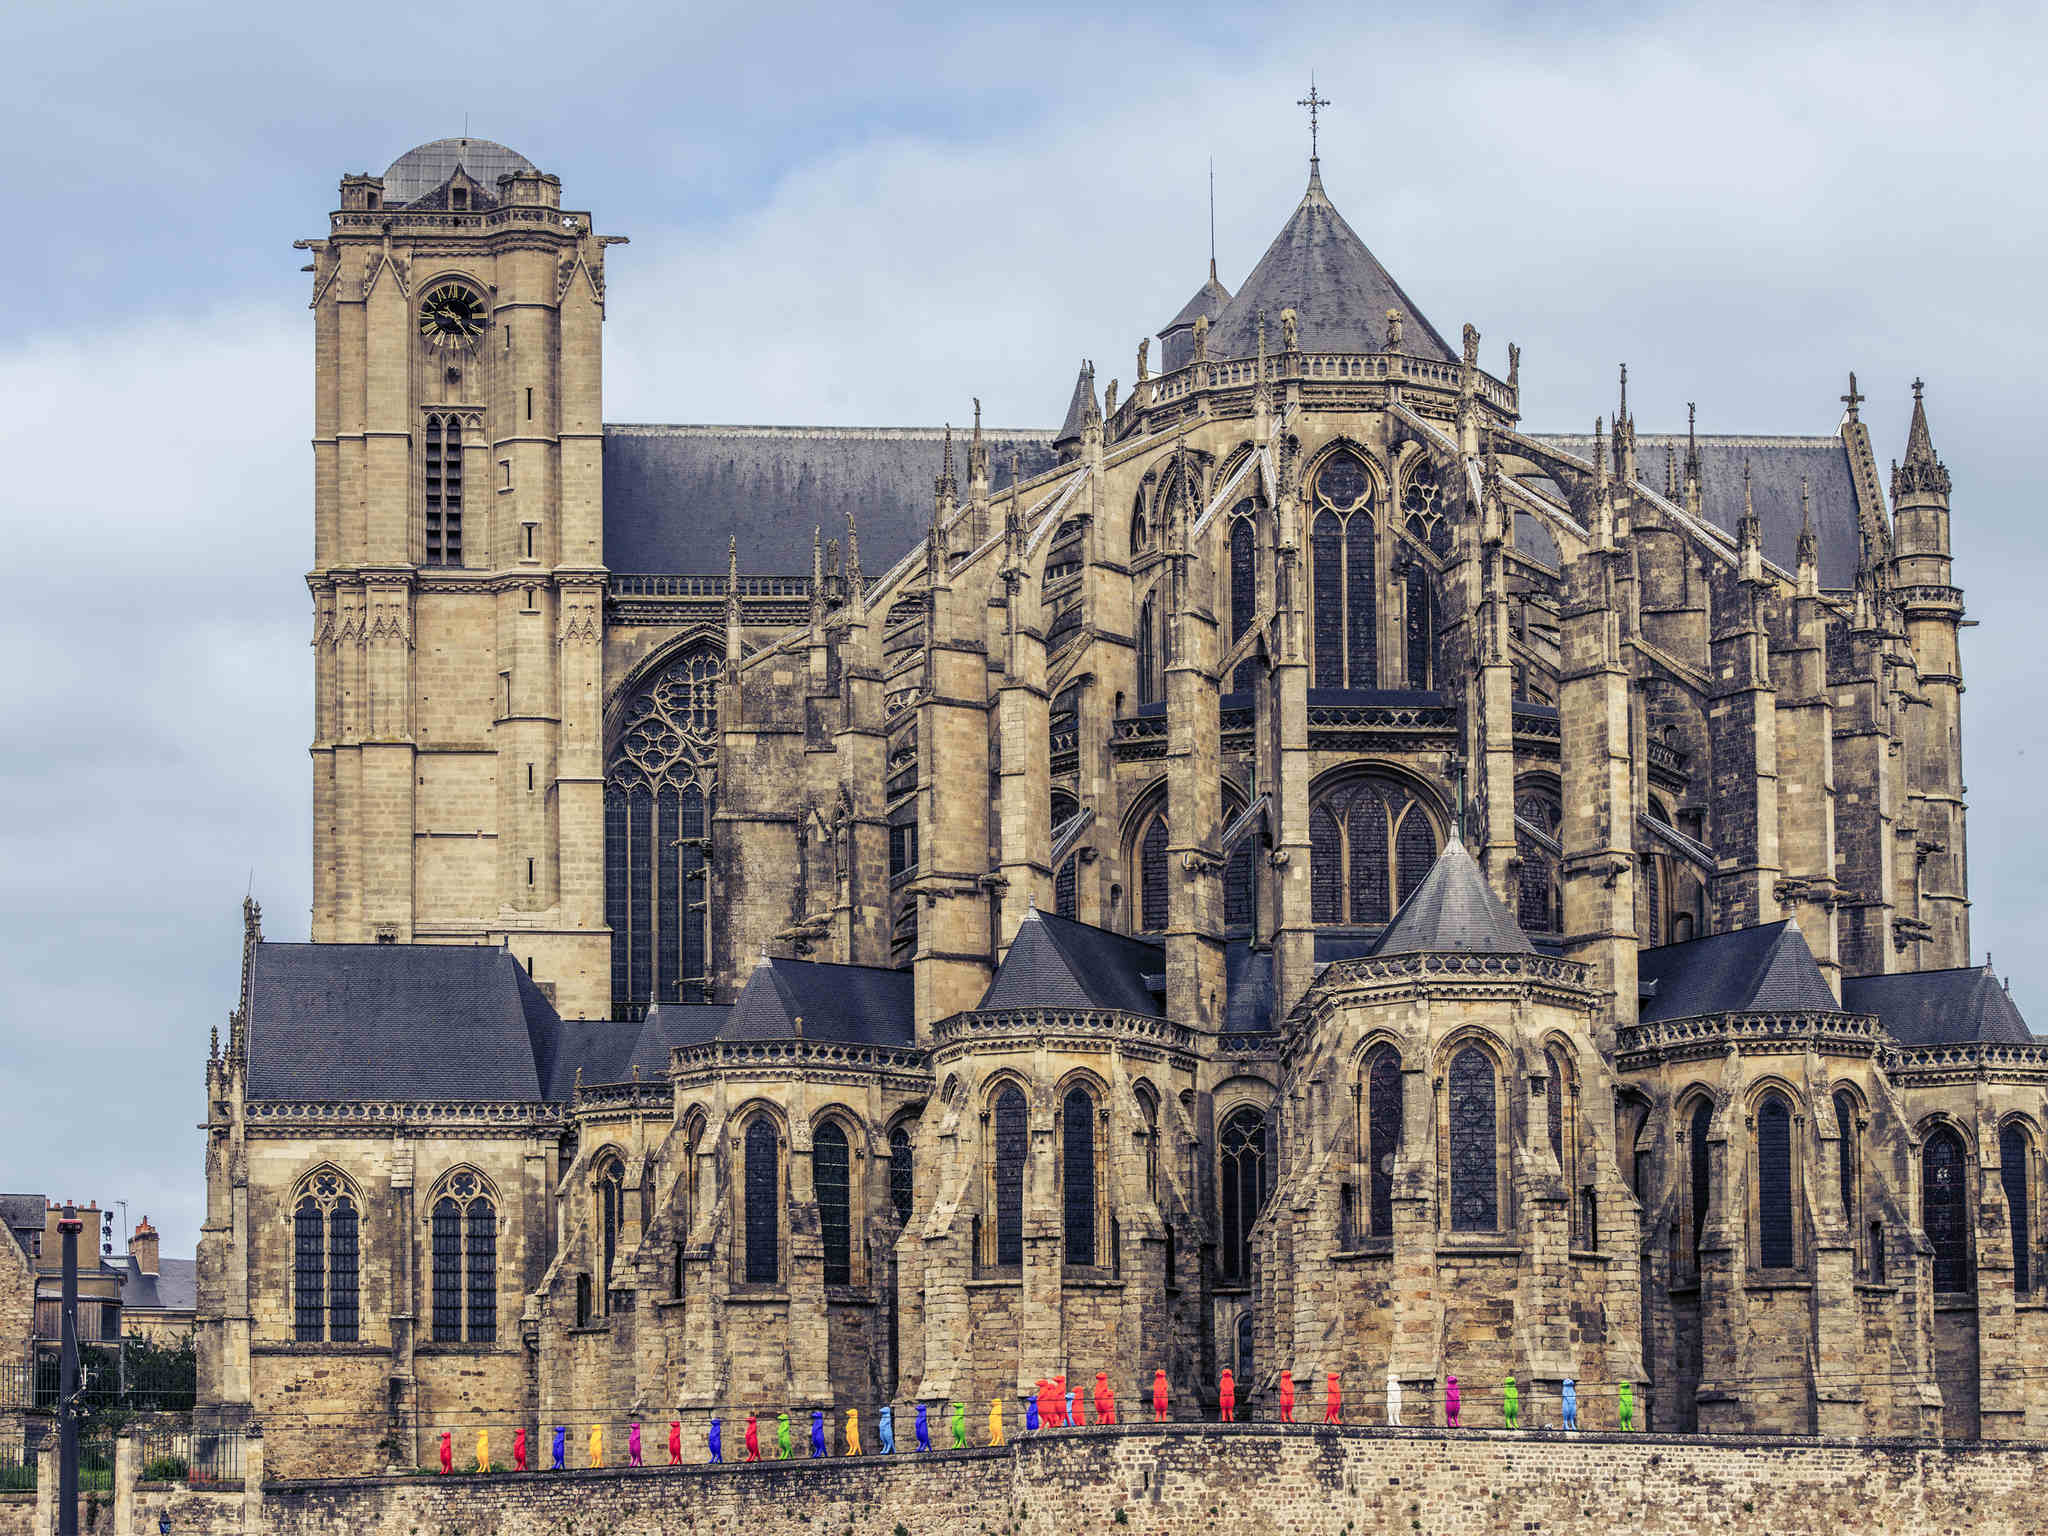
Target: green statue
(959, 1426)
(782, 1437)
(1628, 1406)
(1510, 1403)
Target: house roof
(173, 1288)
(1939, 1007)
(1765, 969)
(1055, 962)
(1318, 267)
(1454, 910)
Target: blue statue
(1571, 1403)
(1031, 1413)
(717, 1443)
(924, 1429)
(817, 1431)
(561, 1444)
(888, 1430)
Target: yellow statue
(597, 1445)
(995, 1422)
(483, 1450)
(853, 1431)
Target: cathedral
(1289, 870)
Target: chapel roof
(1453, 911)
(1055, 962)
(818, 1000)
(425, 169)
(1210, 299)
(1939, 1007)
(1763, 969)
(1318, 267)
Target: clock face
(450, 316)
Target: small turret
(1809, 544)
(1068, 444)
(1695, 486)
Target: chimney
(143, 1244)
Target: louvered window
(831, 1173)
(1474, 1138)
(444, 490)
(1775, 1247)
(1009, 1177)
(1077, 1175)
(763, 1203)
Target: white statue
(1393, 1399)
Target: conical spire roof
(1079, 407)
(1210, 299)
(1453, 911)
(1318, 267)
(1919, 441)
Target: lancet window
(660, 792)
(1008, 1126)
(1242, 1187)
(1945, 1208)
(763, 1197)
(1382, 1114)
(1473, 1122)
(1776, 1248)
(465, 1257)
(1077, 1175)
(1370, 844)
(1421, 625)
(1344, 576)
(1845, 1155)
(2015, 1177)
(1539, 895)
(902, 1186)
(1701, 1167)
(326, 1260)
(832, 1177)
(1244, 581)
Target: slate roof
(419, 171)
(1318, 267)
(380, 1021)
(1077, 407)
(850, 1004)
(1210, 299)
(673, 495)
(1453, 911)
(1055, 962)
(174, 1288)
(21, 1214)
(1765, 969)
(1776, 465)
(1939, 1007)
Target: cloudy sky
(866, 219)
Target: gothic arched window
(902, 1189)
(763, 1198)
(1152, 903)
(1010, 1119)
(1240, 872)
(1243, 1188)
(1945, 1208)
(1244, 581)
(660, 792)
(1065, 886)
(1539, 895)
(1077, 1175)
(611, 1204)
(832, 1177)
(1141, 526)
(1474, 1143)
(1775, 1246)
(1421, 625)
(1370, 845)
(444, 490)
(326, 1260)
(1421, 507)
(1244, 1345)
(1151, 687)
(1560, 1104)
(1702, 1171)
(1845, 1155)
(1382, 1134)
(465, 1259)
(2013, 1154)
(1345, 577)
(1148, 1116)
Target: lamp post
(67, 1381)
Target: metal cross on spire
(1315, 101)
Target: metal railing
(191, 1456)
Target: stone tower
(458, 566)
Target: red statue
(1159, 1397)
(447, 1453)
(675, 1442)
(519, 1451)
(1044, 1403)
(1105, 1405)
(1226, 1397)
(753, 1439)
(1287, 1397)
(1060, 1397)
(1333, 1407)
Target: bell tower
(458, 566)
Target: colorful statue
(447, 1453)
(1067, 1393)
(1105, 1405)
(717, 1440)
(853, 1431)
(959, 1426)
(633, 1445)
(1571, 1404)
(561, 1454)
(1287, 1397)
(817, 1432)
(597, 1445)
(519, 1450)
(1510, 1402)
(1031, 1420)
(1628, 1406)
(783, 1445)
(1226, 1398)
(675, 1441)
(1393, 1399)
(924, 1429)
(753, 1438)
(1159, 1397)
(483, 1450)
(995, 1422)
(887, 1432)
(1333, 1402)
(1046, 1416)
(1451, 1402)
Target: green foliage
(165, 1469)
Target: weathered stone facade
(1052, 947)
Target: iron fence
(17, 1470)
(191, 1456)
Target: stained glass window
(1365, 828)
(342, 1309)
(1383, 1136)
(1653, 896)
(447, 1270)
(1361, 601)
(1553, 1106)
(1148, 652)
(611, 1200)
(1538, 897)
(1244, 1346)
(1474, 1137)
(1702, 1174)
(1240, 872)
(1152, 877)
(1010, 1120)
(1945, 1212)
(1420, 627)
(1243, 1188)
(1065, 885)
(1414, 850)
(1077, 1175)
(1326, 550)
(1370, 845)
(832, 1176)
(1325, 866)
(1344, 575)
(901, 1186)
(2012, 1175)
(1845, 1155)
(309, 1271)
(1420, 505)
(659, 795)
(1244, 583)
(763, 1202)
(482, 1223)
(1775, 1249)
